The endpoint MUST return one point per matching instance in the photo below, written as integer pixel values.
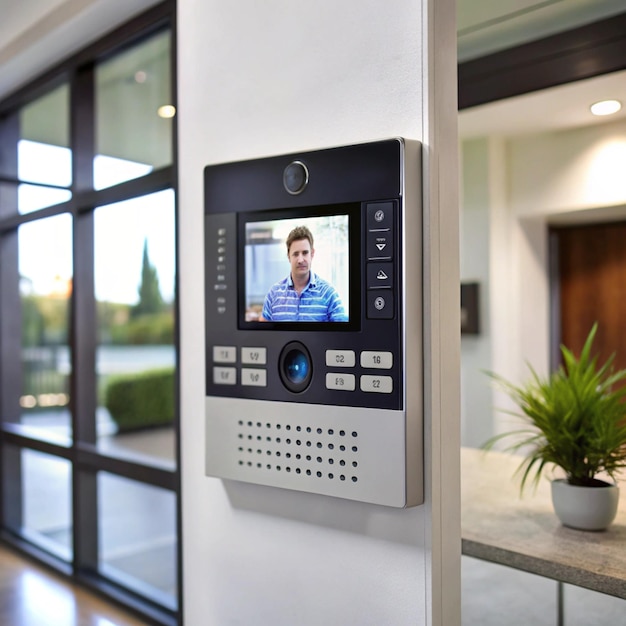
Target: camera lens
(295, 177)
(295, 367)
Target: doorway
(588, 280)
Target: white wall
(476, 259)
(512, 190)
(279, 76)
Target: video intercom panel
(313, 309)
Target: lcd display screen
(297, 269)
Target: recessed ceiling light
(606, 107)
(166, 111)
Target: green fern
(576, 419)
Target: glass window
(47, 502)
(45, 272)
(133, 113)
(88, 303)
(134, 283)
(137, 537)
(44, 157)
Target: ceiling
(34, 30)
(486, 26)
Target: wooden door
(589, 285)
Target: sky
(45, 246)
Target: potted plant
(576, 420)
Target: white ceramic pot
(585, 508)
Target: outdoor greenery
(149, 322)
(150, 300)
(117, 327)
(45, 320)
(141, 400)
(576, 419)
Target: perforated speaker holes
(329, 454)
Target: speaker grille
(299, 449)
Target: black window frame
(85, 459)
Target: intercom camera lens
(295, 367)
(295, 177)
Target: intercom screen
(297, 269)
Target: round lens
(295, 367)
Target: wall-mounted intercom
(314, 355)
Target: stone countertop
(523, 532)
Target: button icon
(380, 305)
(379, 275)
(379, 216)
(379, 244)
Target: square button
(379, 275)
(380, 304)
(379, 245)
(380, 216)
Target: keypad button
(224, 375)
(340, 358)
(253, 377)
(254, 356)
(340, 381)
(373, 359)
(377, 384)
(224, 354)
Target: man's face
(300, 257)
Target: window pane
(34, 197)
(43, 153)
(47, 508)
(45, 269)
(132, 138)
(138, 537)
(134, 283)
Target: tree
(150, 299)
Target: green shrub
(141, 400)
(155, 329)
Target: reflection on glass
(47, 508)
(131, 137)
(33, 197)
(137, 537)
(45, 268)
(134, 284)
(43, 153)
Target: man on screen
(302, 296)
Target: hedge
(141, 400)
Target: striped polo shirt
(318, 302)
